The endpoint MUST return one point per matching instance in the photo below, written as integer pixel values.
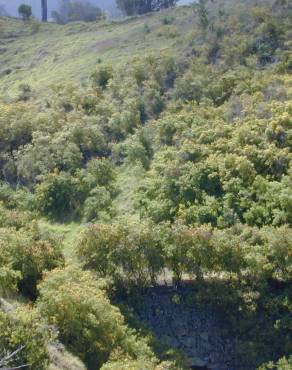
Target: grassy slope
(128, 180)
(69, 53)
(68, 232)
(63, 54)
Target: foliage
(61, 194)
(25, 254)
(282, 364)
(178, 155)
(102, 76)
(26, 333)
(131, 7)
(145, 364)
(90, 326)
(25, 11)
(202, 11)
(168, 20)
(132, 254)
(58, 195)
(98, 205)
(75, 10)
(138, 254)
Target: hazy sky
(12, 5)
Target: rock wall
(199, 333)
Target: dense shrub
(132, 254)
(26, 333)
(102, 76)
(90, 326)
(139, 253)
(199, 147)
(97, 246)
(58, 195)
(98, 205)
(86, 193)
(25, 255)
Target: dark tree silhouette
(131, 7)
(25, 11)
(44, 10)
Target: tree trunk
(44, 10)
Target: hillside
(57, 53)
(146, 190)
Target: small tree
(25, 11)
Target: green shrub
(130, 255)
(97, 246)
(136, 152)
(57, 196)
(27, 256)
(11, 218)
(283, 364)
(168, 19)
(98, 205)
(102, 76)
(26, 333)
(89, 325)
(99, 172)
(61, 195)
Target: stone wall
(200, 333)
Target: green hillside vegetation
(46, 55)
(157, 145)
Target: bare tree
(7, 358)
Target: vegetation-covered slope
(55, 53)
(166, 139)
